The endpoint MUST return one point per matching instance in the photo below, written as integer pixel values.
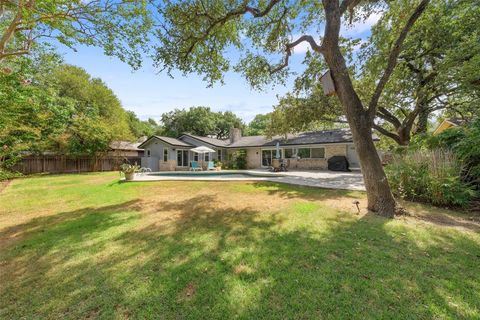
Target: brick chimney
(235, 134)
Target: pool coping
(265, 174)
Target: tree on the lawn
(437, 71)
(196, 35)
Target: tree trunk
(379, 195)
(380, 198)
(403, 135)
(422, 122)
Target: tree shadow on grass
(203, 260)
(285, 190)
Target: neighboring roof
(456, 121)
(168, 140)
(304, 138)
(448, 123)
(210, 141)
(124, 145)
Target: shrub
(463, 142)
(237, 160)
(432, 176)
(129, 168)
(5, 174)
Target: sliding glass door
(268, 156)
(182, 158)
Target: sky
(149, 93)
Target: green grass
(86, 246)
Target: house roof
(168, 140)
(208, 140)
(124, 145)
(303, 138)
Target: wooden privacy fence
(65, 164)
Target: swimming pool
(215, 174)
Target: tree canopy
(50, 106)
(120, 27)
(437, 72)
(258, 126)
(200, 121)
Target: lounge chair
(210, 165)
(194, 166)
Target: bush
(464, 143)
(5, 174)
(237, 160)
(432, 176)
(129, 168)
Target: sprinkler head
(356, 202)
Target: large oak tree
(437, 72)
(195, 36)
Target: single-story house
(308, 150)
(447, 124)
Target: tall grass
(432, 176)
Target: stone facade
(335, 150)
(254, 158)
(317, 164)
(167, 165)
(308, 164)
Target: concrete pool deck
(321, 179)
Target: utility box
(327, 84)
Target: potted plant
(218, 165)
(129, 170)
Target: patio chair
(194, 166)
(210, 165)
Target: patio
(321, 179)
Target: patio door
(267, 156)
(182, 158)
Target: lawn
(87, 246)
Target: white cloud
(301, 48)
(360, 27)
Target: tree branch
(387, 133)
(243, 9)
(348, 4)
(392, 59)
(388, 116)
(288, 50)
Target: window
(289, 153)
(311, 153)
(165, 155)
(303, 153)
(148, 152)
(318, 153)
(269, 155)
(195, 156)
(219, 155)
(207, 156)
(182, 158)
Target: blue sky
(150, 94)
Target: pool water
(230, 174)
